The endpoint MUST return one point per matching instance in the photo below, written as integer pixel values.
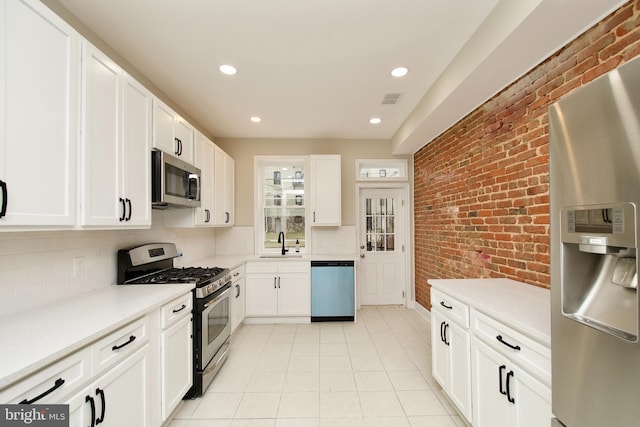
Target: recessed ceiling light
(375, 120)
(256, 119)
(399, 71)
(229, 70)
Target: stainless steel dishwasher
(332, 291)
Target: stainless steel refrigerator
(595, 196)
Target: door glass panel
(380, 220)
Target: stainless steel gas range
(152, 264)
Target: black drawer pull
(448, 307)
(509, 398)
(56, 385)
(93, 409)
(100, 419)
(3, 209)
(514, 347)
(118, 347)
(180, 309)
(500, 371)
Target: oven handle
(218, 298)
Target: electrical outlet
(78, 266)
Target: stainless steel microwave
(175, 183)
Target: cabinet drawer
(52, 383)
(237, 274)
(176, 310)
(119, 344)
(293, 267)
(520, 349)
(450, 307)
(262, 267)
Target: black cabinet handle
(93, 409)
(513, 347)
(124, 209)
(446, 341)
(100, 419)
(227, 217)
(207, 215)
(442, 332)
(500, 371)
(56, 385)
(448, 307)
(509, 398)
(129, 214)
(5, 196)
(237, 289)
(118, 347)
(177, 149)
(180, 309)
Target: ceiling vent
(390, 99)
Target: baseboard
(422, 311)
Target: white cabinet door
(163, 128)
(184, 138)
(224, 188)
(101, 201)
(204, 159)
(39, 129)
(119, 398)
(489, 386)
(262, 295)
(532, 404)
(116, 136)
(326, 194)
(136, 153)
(177, 364)
(451, 361)
(460, 368)
(238, 304)
(439, 350)
(293, 294)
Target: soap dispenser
(297, 245)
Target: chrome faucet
(281, 240)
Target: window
(381, 169)
(281, 195)
(380, 216)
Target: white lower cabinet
(176, 349)
(278, 289)
(238, 290)
(504, 394)
(491, 370)
(451, 353)
(118, 398)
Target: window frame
(401, 164)
(260, 163)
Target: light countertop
(35, 338)
(233, 261)
(524, 307)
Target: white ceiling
(320, 68)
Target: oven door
(216, 325)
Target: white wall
(38, 267)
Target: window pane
(283, 204)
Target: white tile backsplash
(39, 267)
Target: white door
(381, 275)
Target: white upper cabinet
(224, 188)
(39, 83)
(204, 159)
(171, 133)
(326, 194)
(116, 136)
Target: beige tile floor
(376, 372)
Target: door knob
(361, 246)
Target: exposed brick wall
(482, 187)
